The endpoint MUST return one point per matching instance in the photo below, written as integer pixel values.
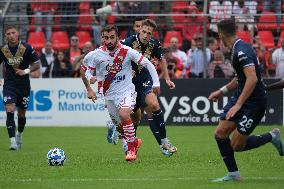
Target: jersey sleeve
(158, 50)
(245, 57)
(88, 61)
(33, 55)
(135, 56)
(127, 41)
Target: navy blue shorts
(248, 116)
(142, 89)
(18, 95)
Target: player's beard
(111, 47)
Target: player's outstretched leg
(21, 127)
(158, 118)
(11, 127)
(223, 141)
(110, 131)
(276, 141)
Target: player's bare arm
(275, 86)
(90, 92)
(164, 68)
(34, 67)
(223, 90)
(251, 80)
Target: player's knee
(220, 134)
(124, 115)
(154, 106)
(21, 112)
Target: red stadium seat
(267, 22)
(266, 39)
(84, 7)
(282, 24)
(156, 35)
(245, 36)
(85, 22)
(122, 35)
(37, 40)
(84, 36)
(280, 37)
(169, 35)
(60, 40)
(180, 5)
(178, 21)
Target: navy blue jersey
(152, 49)
(243, 56)
(19, 57)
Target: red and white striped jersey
(115, 70)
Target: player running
(246, 108)
(19, 60)
(112, 64)
(151, 48)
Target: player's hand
(233, 111)
(92, 95)
(156, 90)
(20, 72)
(215, 95)
(170, 84)
(93, 80)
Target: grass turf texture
(93, 163)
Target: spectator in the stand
(277, 8)
(278, 60)
(219, 10)
(193, 24)
(260, 53)
(47, 59)
(212, 45)
(44, 16)
(137, 23)
(74, 50)
(174, 64)
(196, 59)
(244, 14)
(97, 28)
(62, 67)
(88, 47)
(217, 68)
(176, 52)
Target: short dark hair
(109, 28)
(139, 18)
(211, 40)
(10, 27)
(227, 27)
(149, 22)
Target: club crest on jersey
(114, 68)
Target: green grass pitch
(93, 163)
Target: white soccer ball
(55, 157)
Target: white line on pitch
(129, 179)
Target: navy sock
(256, 141)
(227, 154)
(158, 118)
(155, 130)
(135, 127)
(21, 124)
(10, 124)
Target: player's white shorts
(127, 100)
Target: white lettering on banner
(195, 105)
(183, 103)
(168, 107)
(199, 105)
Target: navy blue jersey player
(247, 106)
(19, 60)
(147, 91)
